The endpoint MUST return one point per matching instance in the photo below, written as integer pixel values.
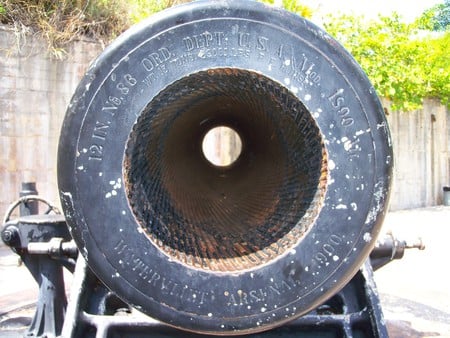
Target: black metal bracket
(44, 245)
(95, 312)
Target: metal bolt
(10, 235)
(416, 244)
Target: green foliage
(436, 18)
(436, 61)
(141, 9)
(404, 64)
(294, 6)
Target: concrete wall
(35, 90)
(421, 153)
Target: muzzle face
(225, 218)
(225, 249)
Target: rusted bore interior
(234, 217)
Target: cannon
(236, 248)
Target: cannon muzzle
(237, 247)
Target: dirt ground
(414, 291)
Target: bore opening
(232, 217)
(222, 146)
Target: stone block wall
(35, 89)
(421, 156)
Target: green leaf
(405, 64)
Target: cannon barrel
(236, 248)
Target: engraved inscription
(167, 286)
(337, 101)
(155, 64)
(205, 39)
(342, 111)
(95, 152)
(262, 46)
(101, 129)
(299, 67)
(260, 295)
(326, 253)
(244, 39)
(243, 44)
(156, 59)
(222, 44)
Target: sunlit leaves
(404, 63)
